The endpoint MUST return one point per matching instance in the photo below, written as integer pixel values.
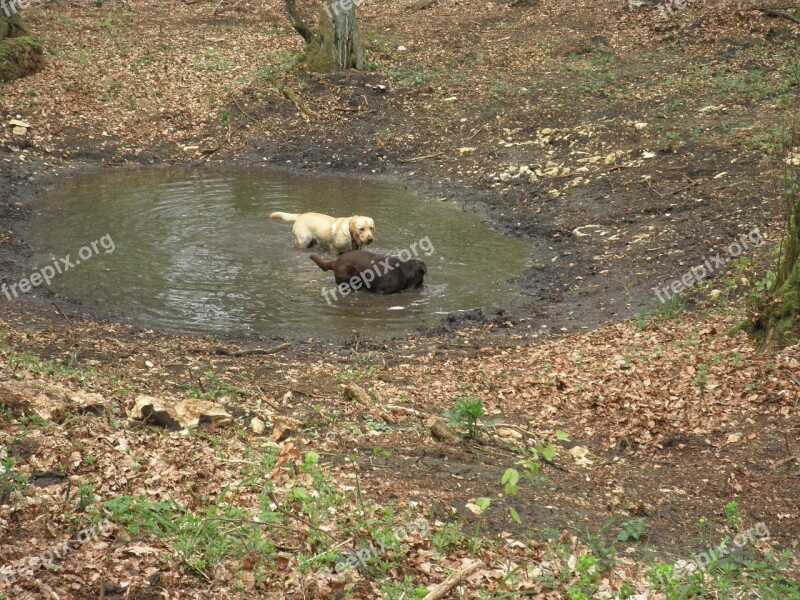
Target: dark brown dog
(359, 269)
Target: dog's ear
(422, 267)
(351, 225)
(371, 224)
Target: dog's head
(414, 272)
(362, 230)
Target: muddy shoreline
(523, 319)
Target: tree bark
(780, 315)
(297, 21)
(783, 315)
(337, 44)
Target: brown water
(194, 251)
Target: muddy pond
(193, 251)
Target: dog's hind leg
(305, 244)
(303, 238)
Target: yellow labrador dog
(336, 234)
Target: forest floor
(627, 145)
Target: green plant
(701, 378)
(481, 506)
(447, 537)
(634, 530)
(734, 515)
(466, 413)
(34, 420)
(11, 480)
(358, 373)
(381, 453)
(86, 496)
(213, 60)
(531, 464)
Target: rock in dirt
(181, 415)
(257, 425)
(49, 401)
(441, 430)
(354, 392)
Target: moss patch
(19, 57)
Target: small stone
(257, 425)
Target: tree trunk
(20, 55)
(337, 44)
(297, 22)
(783, 314)
(779, 317)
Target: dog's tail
(289, 217)
(325, 265)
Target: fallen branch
(292, 97)
(404, 409)
(441, 590)
(63, 314)
(416, 158)
(780, 14)
(244, 112)
(348, 109)
(221, 350)
(354, 392)
(683, 189)
(786, 460)
(517, 428)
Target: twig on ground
(416, 158)
(221, 350)
(63, 314)
(409, 411)
(780, 14)
(441, 590)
